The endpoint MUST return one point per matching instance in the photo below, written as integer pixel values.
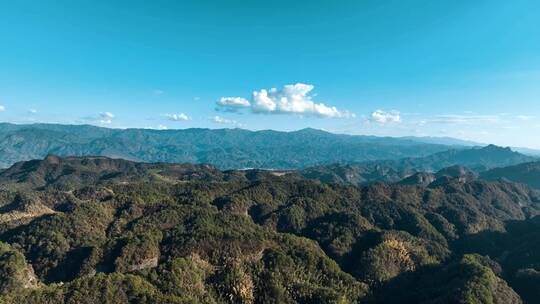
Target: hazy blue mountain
(449, 141)
(527, 151)
(476, 159)
(224, 148)
(465, 143)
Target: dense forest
(224, 148)
(98, 230)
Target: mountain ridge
(478, 159)
(225, 148)
(526, 173)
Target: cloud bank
(291, 99)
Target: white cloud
(177, 117)
(2, 108)
(106, 115)
(158, 127)
(32, 111)
(291, 99)
(233, 102)
(421, 123)
(106, 118)
(466, 119)
(471, 119)
(524, 117)
(385, 117)
(225, 121)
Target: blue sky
(466, 69)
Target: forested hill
(224, 148)
(96, 230)
(73, 172)
(526, 173)
(476, 159)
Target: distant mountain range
(449, 141)
(393, 220)
(477, 159)
(66, 172)
(224, 148)
(465, 143)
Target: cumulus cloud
(225, 121)
(233, 102)
(177, 117)
(291, 99)
(2, 108)
(383, 117)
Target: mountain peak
(52, 159)
(312, 131)
(494, 148)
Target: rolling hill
(526, 173)
(93, 229)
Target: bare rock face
(22, 209)
(150, 262)
(25, 214)
(28, 278)
(138, 254)
(15, 272)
